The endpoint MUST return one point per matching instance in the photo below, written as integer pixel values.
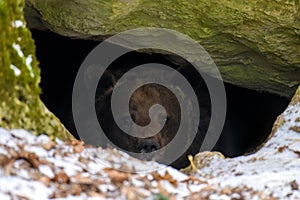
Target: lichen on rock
(20, 104)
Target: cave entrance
(250, 114)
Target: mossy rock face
(255, 44)
(20, 105)
(296, 97)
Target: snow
(39, 151)
(95, 167)
(3, 151)
(18, 24)
(39, 168)
(17, 47)
(22, 188)
(46, 170)
(22, 134)
(28, 62)
(5, 196)
(16, 70)
(269, 169)
(58, 141)
(43, 139)
(70, 168)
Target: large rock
(255, 44)
(20, 105)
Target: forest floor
(40, 167)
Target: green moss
(20, 105)
(255, 43)
(296, 98)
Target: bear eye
(164, 119)
(127, 119)
(132, 116)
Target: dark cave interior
(250, 114)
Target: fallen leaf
(297, 152)
(280, 149)
(193, 179)
(116, 176)
(46, 180)
(166, 177)
(61, 177)
(30, 157)
(82, 179)
(78, 148)
(295, 128)
(162, 190)
(4, 160)
(49, 145)
(226, 191)
(294, 185)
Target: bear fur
(140, 102)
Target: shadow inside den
(250, 114)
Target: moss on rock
(20, 105)
(255, 44)
(296, 98)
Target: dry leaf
(30, 157)
(297, 152)
(193, 179)
(78, 148)
(295, 128)
(161, 189)
(226, 191)
(280, 149)
(96, 194)
(166, 177)
(61, 177)
(4, 160)
(46, 180)
(116, 176)
(83, 179)
(294, 185)
(130, 194)
(49, 145)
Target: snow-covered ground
(274, 170)
(35, 167)
(39, 167)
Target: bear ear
(105, 82)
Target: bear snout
(147, 145)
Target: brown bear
(140, 102)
